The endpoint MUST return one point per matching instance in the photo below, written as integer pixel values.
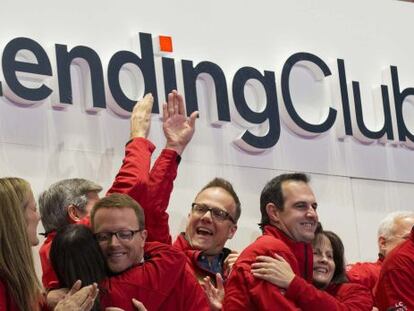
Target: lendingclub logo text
(24, 59)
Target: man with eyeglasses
(70, 200)
(289, 220)
(211, 222)
(141, 268)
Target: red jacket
(192, 258)
(6, 301)
(163, 282)
(149, 188)
(365, 273)
(337, 297)
(245, 292)
(395, 287)
(49, 277)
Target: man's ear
(382, 245)
(232, 231)
(272, 212)
(73, 214)
(144, 235)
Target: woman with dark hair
(330, 289)
(75, 255)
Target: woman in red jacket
(20, 289)
(330, 289)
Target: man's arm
(395, 289)
(178, 131)
(306, 296)
(244, 292)
(133, 176)
(193, 296)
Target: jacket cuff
(171, 154)
(143, 141)
(294, 287)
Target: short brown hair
(273, 193)
(227, 186)
(118, 200)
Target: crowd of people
(117, 253)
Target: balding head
(393, 230)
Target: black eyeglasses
(216, 213)
(122, 235)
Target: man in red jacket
(395, 289)
(70, 201)
(211, 222)
(154, 273)
(392, 231)
(289, 219)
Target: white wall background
(356, 184)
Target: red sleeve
(237, 294)
(167, 269)
(395, 289)
(195, 297)
(365, 274)
(306, 296)
(49, 277)
(3, 297)
(133, 175)
(6, 302)
(152, 189)
(159, 189)
(245, 292)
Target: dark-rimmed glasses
(121, 235)
(216, 213)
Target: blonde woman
(20, 289)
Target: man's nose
(208, 216)
(113, 240)
(311, 212)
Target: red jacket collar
(184, 245)
(192, 255)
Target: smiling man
(211, 222)
(289, 220)
(147, 271)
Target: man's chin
(116, 268)
(200, 244)
(307, 238)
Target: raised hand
(141, 117)
(178, 128)
(214, 294)
(229, 262)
